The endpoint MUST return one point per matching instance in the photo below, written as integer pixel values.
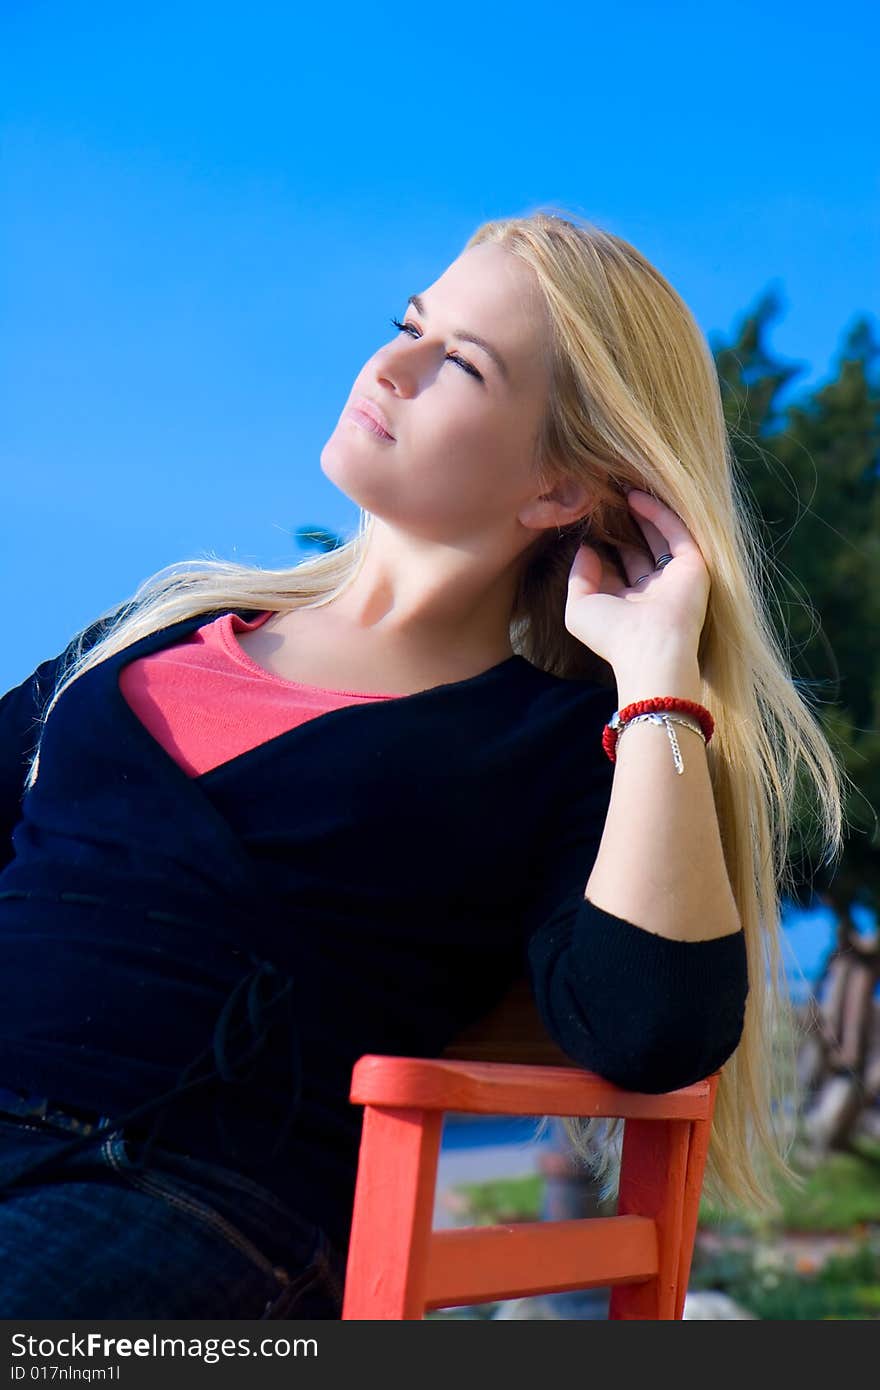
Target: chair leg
(652, 1183)
(393, 1212)
(696, 1166)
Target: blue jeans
(95, 1238)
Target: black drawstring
(259, 1018)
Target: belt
(55, 1114)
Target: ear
(567, 501)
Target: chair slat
(480, 1264)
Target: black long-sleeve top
(215, 952)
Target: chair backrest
(398, 1266)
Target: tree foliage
(810, 470)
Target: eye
(451, 356)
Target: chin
(358, 477)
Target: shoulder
(554, 737)
(571, 706)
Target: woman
(390, 778)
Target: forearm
(660, 863)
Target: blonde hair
(635, 399)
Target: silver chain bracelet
(668, 720)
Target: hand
(666, 611)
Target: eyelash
(459, 361)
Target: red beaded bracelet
(658, 703)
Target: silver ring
(660, 565)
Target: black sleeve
(641, 1010)
(20, 710)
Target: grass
(845, 1286)
(502, 1200)
(843, 1191)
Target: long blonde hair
(635, 399)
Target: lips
(373, 412)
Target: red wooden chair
(399, 1267)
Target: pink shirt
(206, 701)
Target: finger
(592, 573)
(656, 541)
(667, 522)
(636, 561)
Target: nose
(398, 368)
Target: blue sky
(210, 213)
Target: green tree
(809, 470)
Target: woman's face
(460, 464)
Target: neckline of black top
(515, 665)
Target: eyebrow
(419, 305)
